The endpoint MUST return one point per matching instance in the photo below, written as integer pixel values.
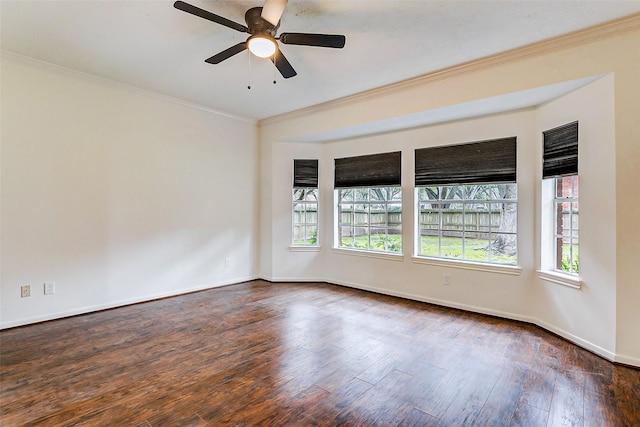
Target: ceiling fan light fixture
(262, 46)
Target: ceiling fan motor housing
(257, 25)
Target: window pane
(452, 216)
(453, 192)
(345, 213)
(345, 195)
(508, 219)
(394, 219)
(476, 246)
(378, 194)
(506, 192)
(361, 194)
(504, 248)
(565, 209)
(395, 194)
(298, 213)
(429, 193)
(559, 187)
(564, 187)
(559, 252)
(311, 194)
(429, 245)
(389, 243)
(346, 231)
(465, 224)
(361, 238)
(429, 219)
(568, 259)
(481, 192)
(434, 205)
(451, 246)
(312, 235)
(361, 214)
(347, 240)
(298, 234)
(372, 223)
(475, 216)
(312, 217)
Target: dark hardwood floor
(304, 354)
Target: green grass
(566, 259)
(393, 242)
(451, 247)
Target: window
(305, 203)
(370, 218)
(467, 204)
(369, 202)
(469, 222)
(566, 219)
(560, 166)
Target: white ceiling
(152, 46)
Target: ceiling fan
(262, 24)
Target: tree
(506, 244)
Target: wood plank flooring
(314, 354)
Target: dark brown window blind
(470, 163)
(560, 156)
(373, 170)
(305, 173)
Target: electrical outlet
(446, 279)
(49, 288)
(227, 263)
(25, 291)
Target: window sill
(369, 254)
(560, 279)
(512, 270)
(294, 248)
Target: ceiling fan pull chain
(249, 72)
(274, 69)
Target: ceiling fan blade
(272, 11)
(186, 7)
(226, 54)
(307, 39)
(283, 65)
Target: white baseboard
(577, 340)
(600, 351)
(444, 303)
(121, 303)
(295, 279)
(627, 360)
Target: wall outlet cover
(25, 291)
(49, 288)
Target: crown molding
(596, 33)
(112, 83)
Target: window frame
(560, 158)
(305, 224)
(305, 181)
(387, 201)
(558, 226)
(487, 229)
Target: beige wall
(588, 315)
(602, 315)
(117, 196)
